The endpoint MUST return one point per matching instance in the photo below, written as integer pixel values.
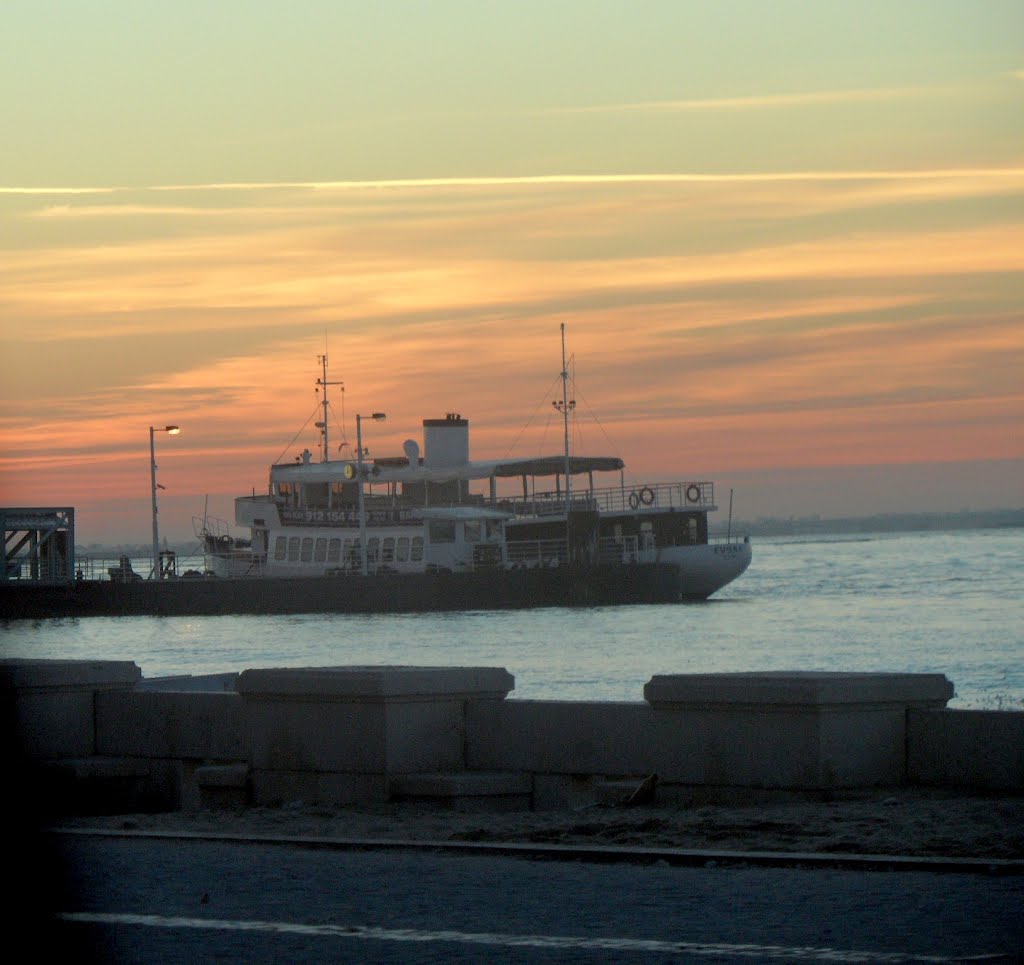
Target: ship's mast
(566, 406)
(324, 425)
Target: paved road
(145, 901)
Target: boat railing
(132, 569)
(547, 504)
(611, 549)
(697, 495)
(553, 552)
(537, 552)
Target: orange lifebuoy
(647, 495)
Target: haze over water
(935, 602)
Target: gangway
(38, 544)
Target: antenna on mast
(324, 426)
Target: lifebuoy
(647, 495)
(634, 500)
(693, 493)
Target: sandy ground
(911, 822)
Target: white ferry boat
(436, 511)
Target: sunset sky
(786, 240)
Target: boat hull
(380, 593)
(704, 569)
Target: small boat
(434, 510)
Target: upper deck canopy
(555, 466)
(399, 470)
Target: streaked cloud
(760, 102)
(541, 180)
(16, 189)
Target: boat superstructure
(435, 510)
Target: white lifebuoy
(693, 493)
(647, 495)
(634, 500)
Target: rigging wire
(611, 445)
(547, 425)
(533, 415)
(299, 433)
(341, 428)
(344, 420)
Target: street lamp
(172, 431)
(376, 417)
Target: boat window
(344, 494)
(334, 550)
(402, 553)
(372, 548)
(441, 531)
(315, 494)
(280, 547)
(388, 550)
(320, 553)
(417, 549)
(284, 489)
(493, 529)
(307, 549)
(471, 531)
(293, 549)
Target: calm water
(950, 603)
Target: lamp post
(173, 431)
(376, 417)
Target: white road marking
(365, 932)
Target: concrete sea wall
(97, 737)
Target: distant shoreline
(882, 523)
(763, 526)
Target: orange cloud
(728, 322)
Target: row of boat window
(473, 530)
(306, 549)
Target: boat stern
(706, 568)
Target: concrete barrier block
(172, 725)
(784, 689)
(56, 725)
(359, 683)
(424, 736)
(774, 748)
(317, 737)
(24, 675)
(975, 749)
(283, 788)
(364, 719)
(359, 737)
(789, 729)
(560, 737)
(53, 702)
